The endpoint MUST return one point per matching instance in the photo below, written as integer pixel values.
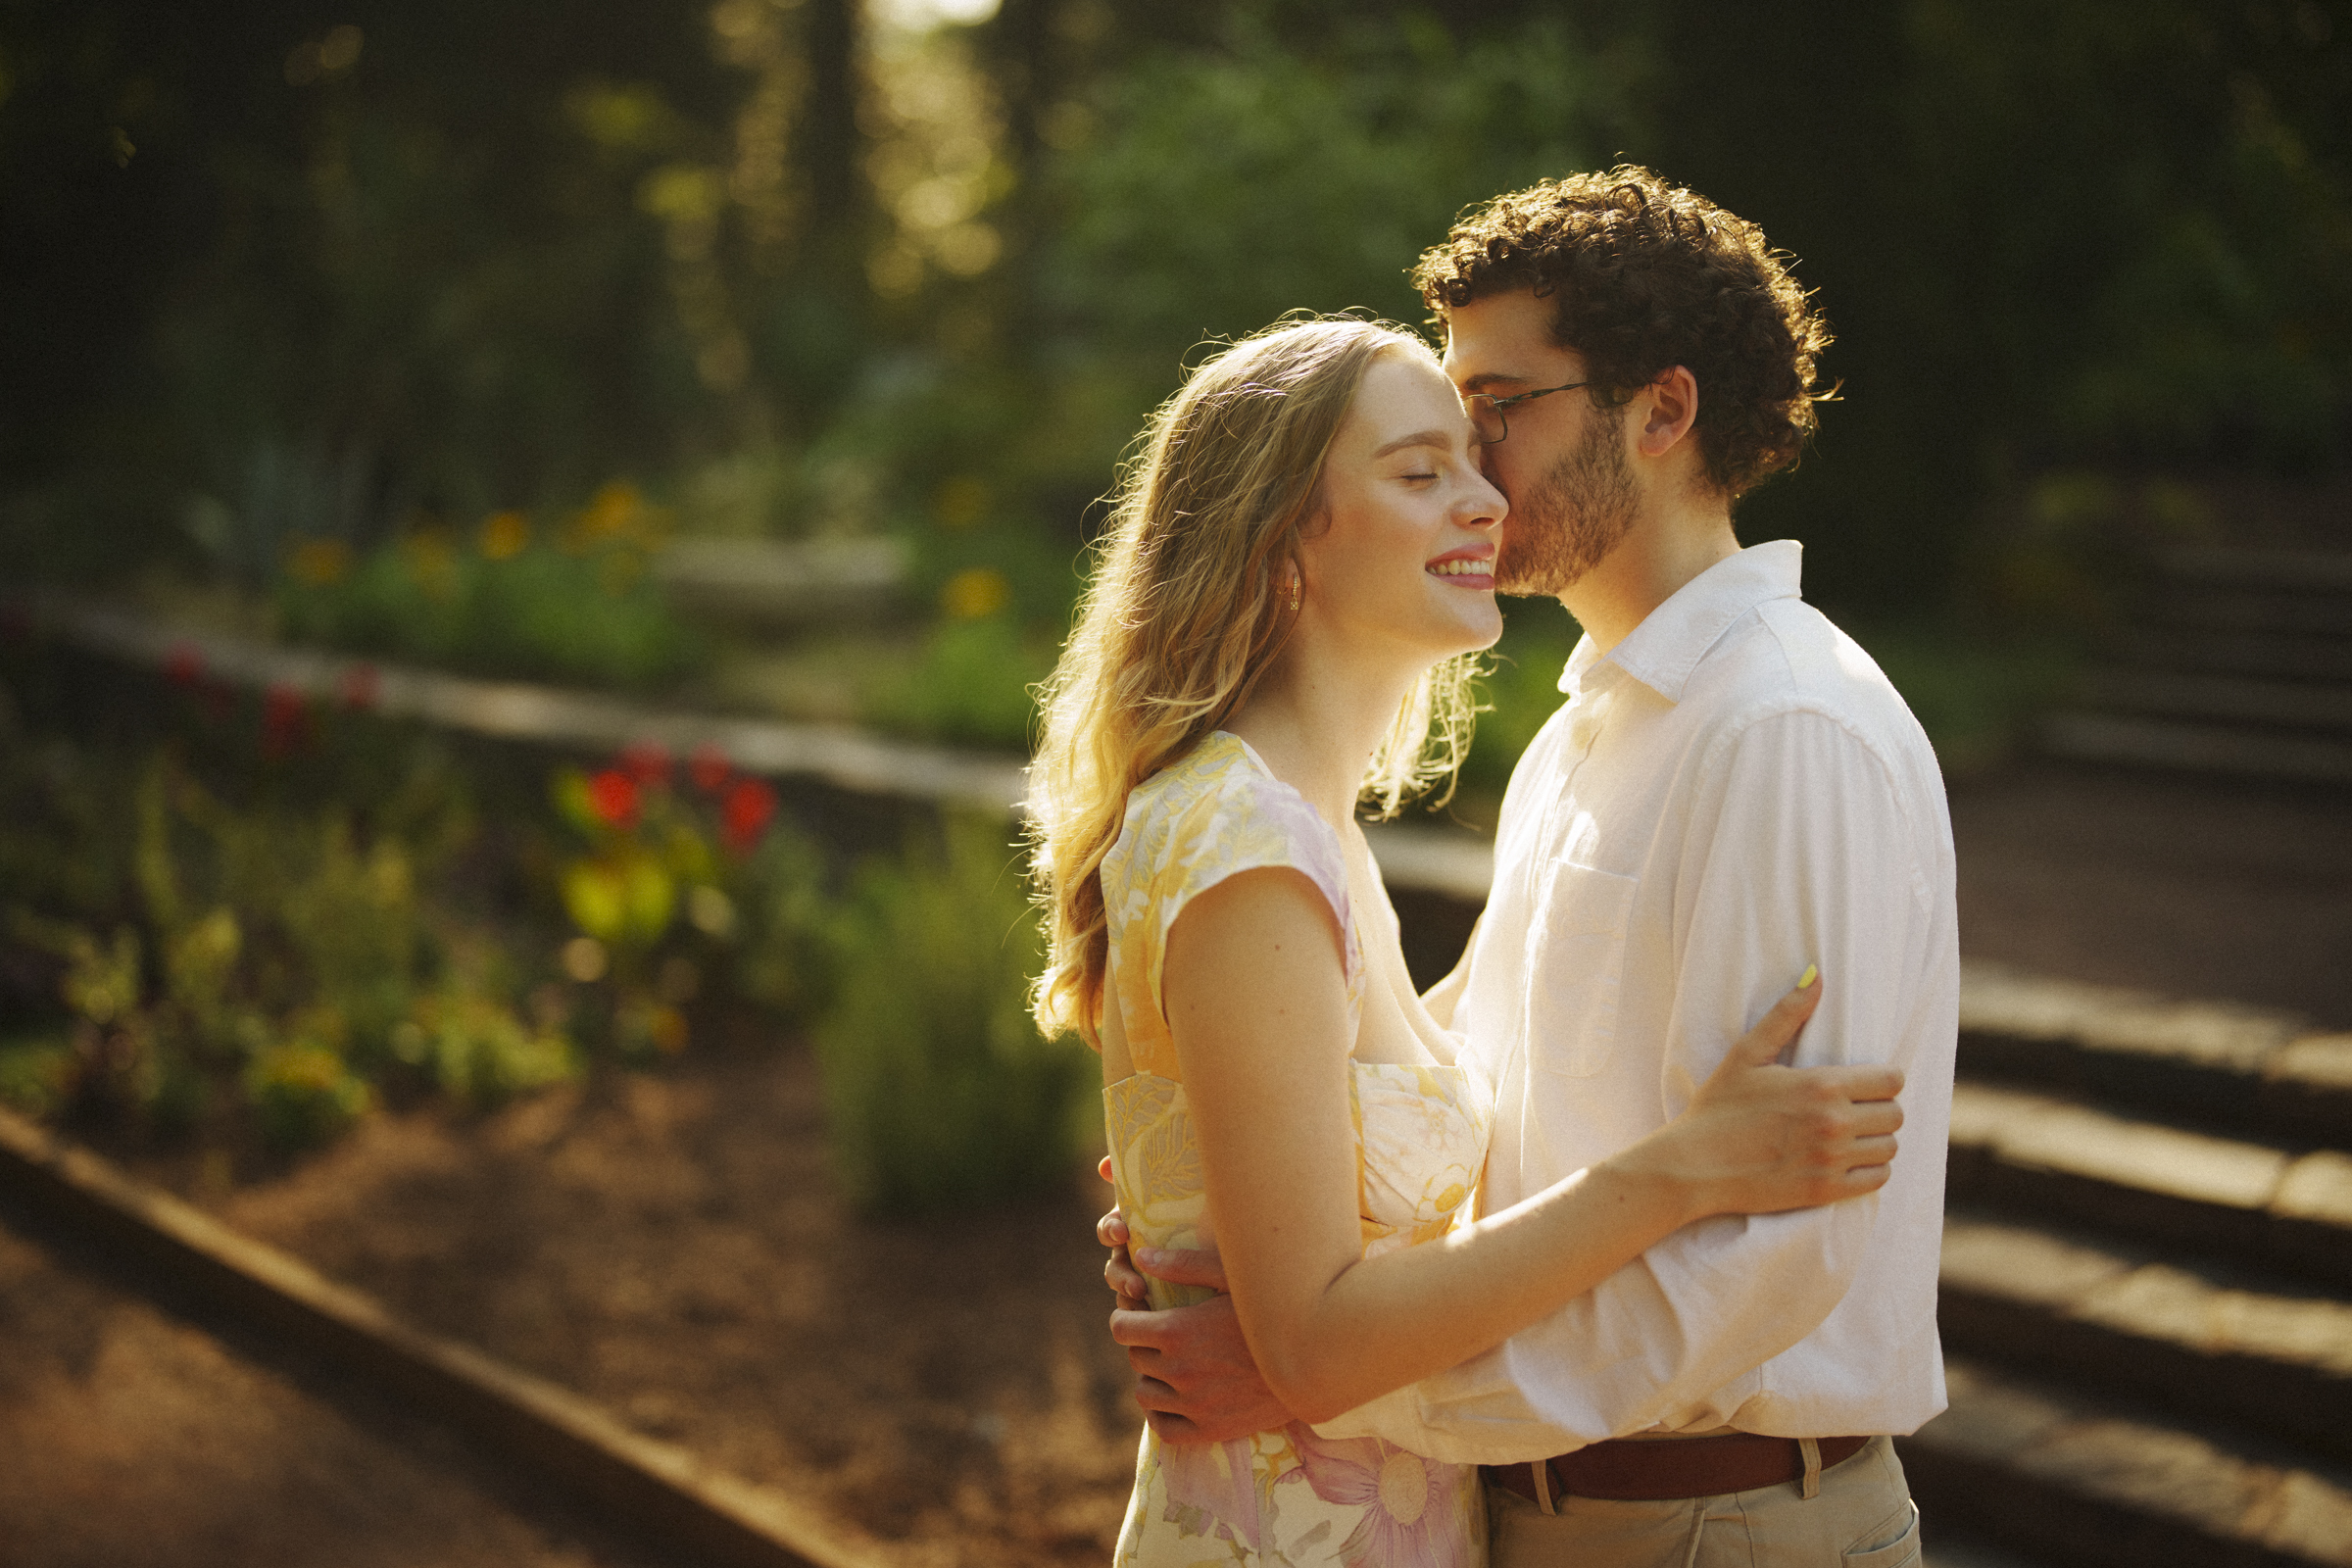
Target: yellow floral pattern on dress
(1287, 1496)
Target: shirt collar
(1663, 651)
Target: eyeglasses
(1487, 420)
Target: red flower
(709, 769)
(285, 721)
(183, 666)
(362, 684)
(612, 797)
(745, 814)
(647, 763)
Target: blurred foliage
(290, 292)
(681, 882)
(502, 601)
(939, 1090)
(208, 953)
(213, 932)
(1221, 185)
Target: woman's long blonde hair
(1187, 602)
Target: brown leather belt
(1659, 1469)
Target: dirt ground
(671, 1245)
(137, 1437)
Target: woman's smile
(1471, 568)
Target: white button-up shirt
(1733, 793)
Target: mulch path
(671, 1244)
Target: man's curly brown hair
(1647, 275)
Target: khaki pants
(1863, 1518)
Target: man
(1731, 792)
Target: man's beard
(1571, 517)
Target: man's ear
(1669, 408)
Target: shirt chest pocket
(1575, 965)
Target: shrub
(576, 607)
(940, 1093)
(972, 686)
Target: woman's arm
(1259, 1010)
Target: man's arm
(1799, 849)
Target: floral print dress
(1285, 1496)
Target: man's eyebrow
(1487, 378)
(1419, 438)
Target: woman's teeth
(1457, 569)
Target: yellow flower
(320, 561)
(505, 534)
(974, 592)
(610, 513)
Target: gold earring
(1291, 594)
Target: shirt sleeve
(1798, 850)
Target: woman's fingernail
(1812, 973)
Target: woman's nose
(1483, 503)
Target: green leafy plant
(971, 685)
(939, 1090)
(285, 960)
(936, 1085)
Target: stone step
(2189, 1193)
(2267, 608)
(2185, 746)
(2265, 653)
(2223, 1065)
(2232, 1345)
(2297, 571)
(2221, 699)
(2069, 1478)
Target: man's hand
(1194, 1375)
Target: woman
(1299, 573)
